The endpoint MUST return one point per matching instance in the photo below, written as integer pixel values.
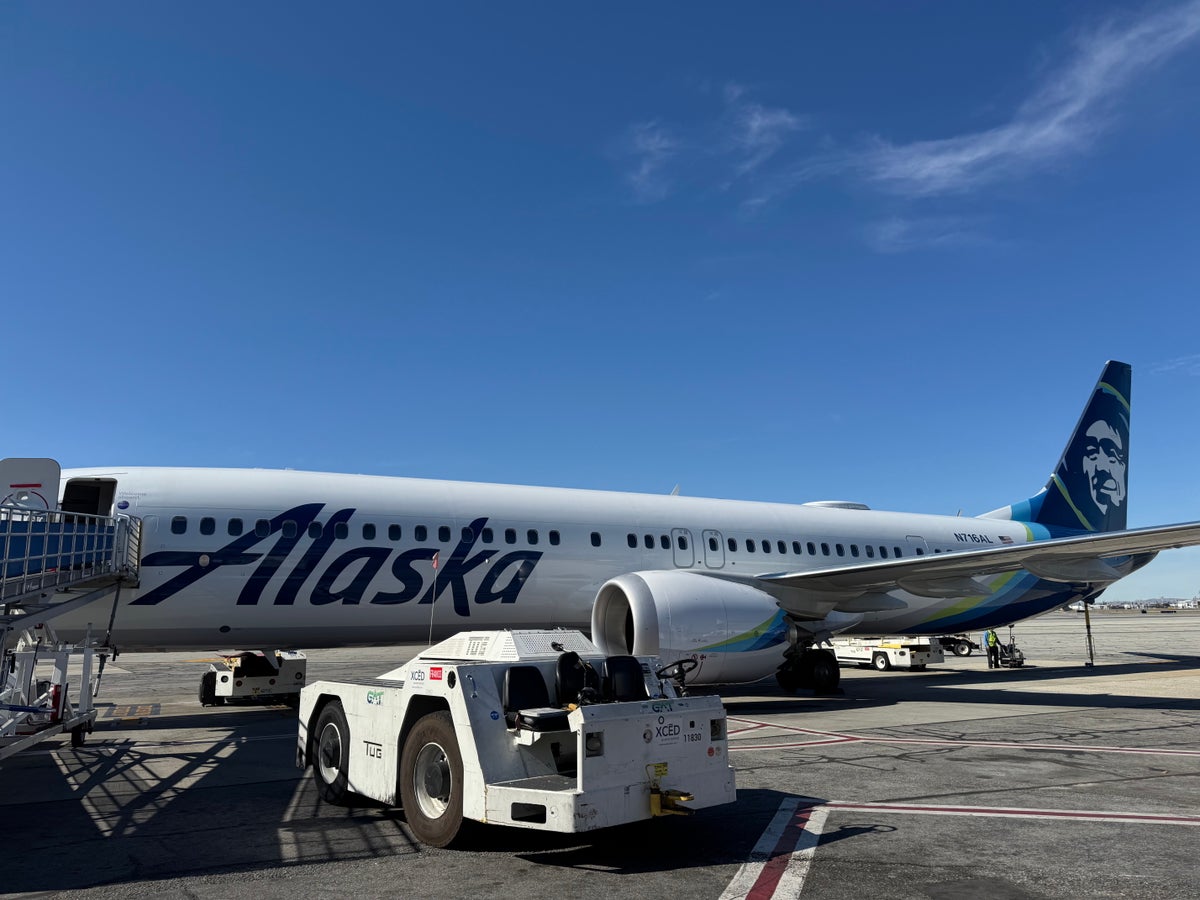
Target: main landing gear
(806, 667)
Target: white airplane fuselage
(348, 559)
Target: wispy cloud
(647, 147)
(1062, 117)
(899, 234)
(755, 132)
(1185, 365)
(760, 153)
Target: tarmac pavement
(1052, 780)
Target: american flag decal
(1005, 539)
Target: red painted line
(751, 728)
(773, 869)
(791, 745)
(941, 742)
(1017, 812)
(24, 485)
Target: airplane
(734, 590)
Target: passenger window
(664, 542)
(648, 540)
(554, 538)
(841, 551)
(683, 542)
(854, 549)
(510, 535)
(421, 533)
(631, 539)
(883, 553)
(314, 529)
(595, 539)
(208, 525)
(488, 535)
(290, 529)
(824, 549)
(766, 545)
(444, 534)
(920, 551)
(341, 531)
(262, 527)
(532, 536)
(393, 532)
(235, 527)
(870, 551)
(732, 543)
(797, 549)
(749, 545)
(812, 549)
(898, 552)
(368, 532)
(179, 525)
(781, 546)
(712, 544)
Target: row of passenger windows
(768, 546)
(341, 531)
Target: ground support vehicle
(36, 699)
(534, 729)
(53, 562)
(884, 653)
(958, 644)
(254, 675)
(1011, 656)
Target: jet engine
(735, 632)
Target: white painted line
(780, 861)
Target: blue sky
(868, 251)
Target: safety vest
(991, 638)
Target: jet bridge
(53, 562)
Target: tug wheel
(881, 662)
(431, 780)
(331, 755)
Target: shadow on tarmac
(998, 686)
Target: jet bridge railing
(43, 550)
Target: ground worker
(991, 642)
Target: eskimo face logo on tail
(1093, 473)
(356, 570)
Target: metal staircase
(51, 563)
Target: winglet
(1089, 489)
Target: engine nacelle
(736, 632)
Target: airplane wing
(1098, 559)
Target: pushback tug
(534, 729)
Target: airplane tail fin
(1089, 489)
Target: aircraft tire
(331, 754)
(826, 674)
(431, 780)
(881, 662)
(788, 679)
